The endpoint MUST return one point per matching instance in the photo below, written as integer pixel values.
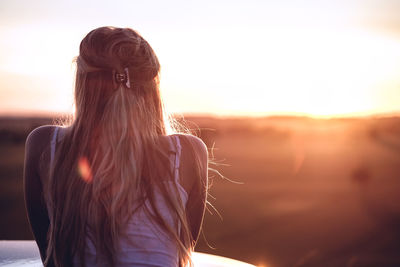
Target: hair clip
(123, 78)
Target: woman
(113, 189)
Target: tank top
(143, 242)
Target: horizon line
(50, 114)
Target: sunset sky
(316, 57)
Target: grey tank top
(144, 243)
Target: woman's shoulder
(37, 143)
(40, 136)
(41, 131)
(39, 139)
(194, 143)
(194, 162)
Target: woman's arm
(34, 199)
(196, 179)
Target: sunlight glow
(319, 62)
(305, 72)
(203, 259)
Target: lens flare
(84, 169)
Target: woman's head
(106, 52)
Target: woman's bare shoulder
(37, 143)
(39, 140)
(40, 136)
(194, 162)
(194, 143)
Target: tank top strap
(177, 157)
(53, 145)
(176, 148)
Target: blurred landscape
(298, 191)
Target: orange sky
(316, 58)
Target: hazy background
(313, 192)
(300, 100)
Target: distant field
(311, 193)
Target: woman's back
(142, 241)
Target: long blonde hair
(115, 135)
